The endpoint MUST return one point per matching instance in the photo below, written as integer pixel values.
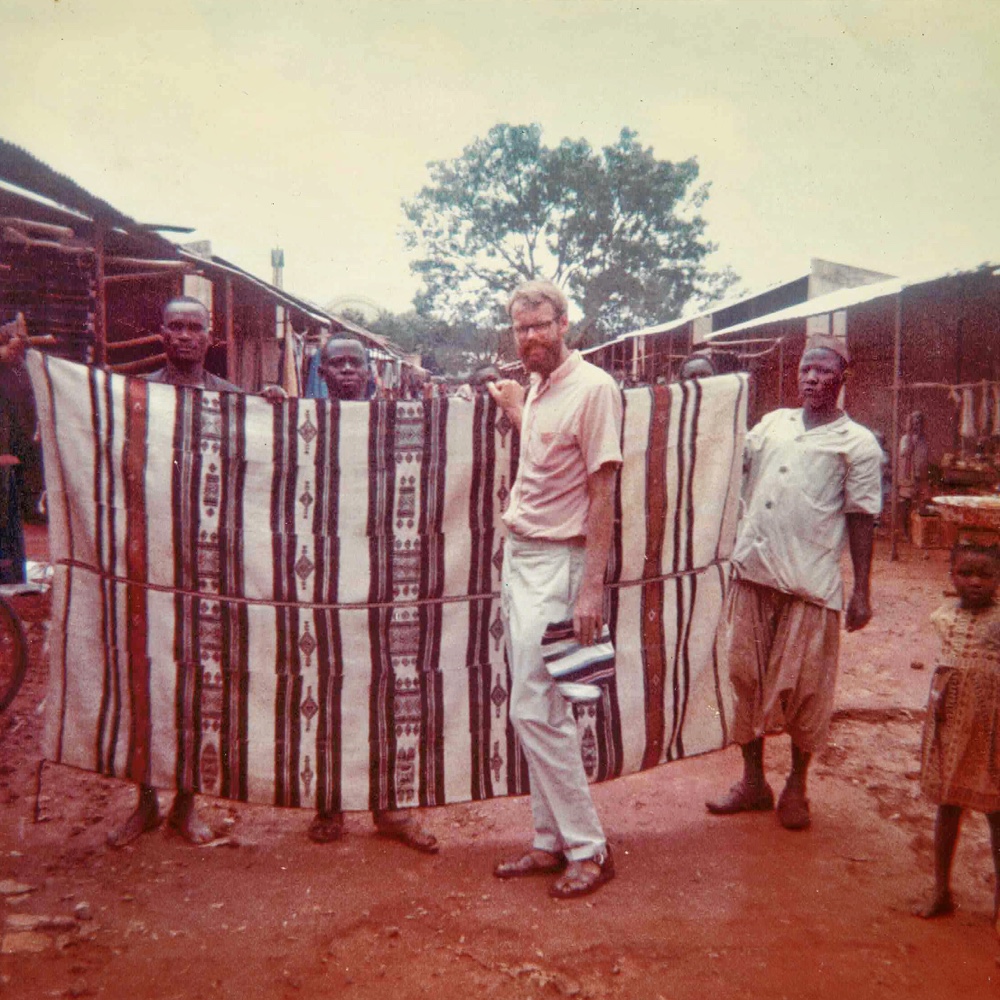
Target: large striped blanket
(297, 604)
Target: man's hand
(588, 612)
(509, 396)
(859, 612)
(274, 393)
(861, 543)
(588, 615)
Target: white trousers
(539, 585)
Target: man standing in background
(343, 366)
(914, 463)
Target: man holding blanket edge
(559, 534)
(812, 481)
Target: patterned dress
(961, 747)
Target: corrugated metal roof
(220, 264)
(19, 167)
(27, 177)
(34, 200)
(44, 191)
(831, 302)
(676, 324)
(293, 301)
(845, 298)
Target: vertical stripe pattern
(298, 604)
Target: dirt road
(702, 907)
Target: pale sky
(865, 132)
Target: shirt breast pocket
(550, 441)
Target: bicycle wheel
(13, 653)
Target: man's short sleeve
(863, 486)
(601, 426)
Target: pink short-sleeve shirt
(570, 427)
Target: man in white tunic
(812, 482)
(559, 533)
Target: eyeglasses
(191, 325)
(521, 330)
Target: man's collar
(558, 374)
(833, 424)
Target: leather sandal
(529, 864)
(741, 799)
(581, 880)
(410, 834)
(326, 829)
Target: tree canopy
(618, 230)
(444, 348)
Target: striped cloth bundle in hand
(576, 669)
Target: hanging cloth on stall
(968, 428)
(996, 410)
(983, 420)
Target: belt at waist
(577, 541)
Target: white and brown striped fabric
(298, 604)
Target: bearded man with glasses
(559, 523)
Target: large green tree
(618, 230)
(444, 348)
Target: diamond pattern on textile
(496, 761)
(307, 500)
(407, 710)
(307, 643)
(498, 695)
(309, 708)
(306, 775)
(304, 567)
(406, 501)
(307, 431)
(496, 629)
(504, 426)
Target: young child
(960, 767)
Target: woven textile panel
(298, 604)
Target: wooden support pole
(101, 314)
(142, 365)
(122, 345)
(231, 357)
(139, 275)
(781, 372)
(897, 355)
(165, 265)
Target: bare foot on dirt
(326, 828)
(397, 825)
(144, 818)
(941, 905)
(185, 820)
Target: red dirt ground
(702, 906)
